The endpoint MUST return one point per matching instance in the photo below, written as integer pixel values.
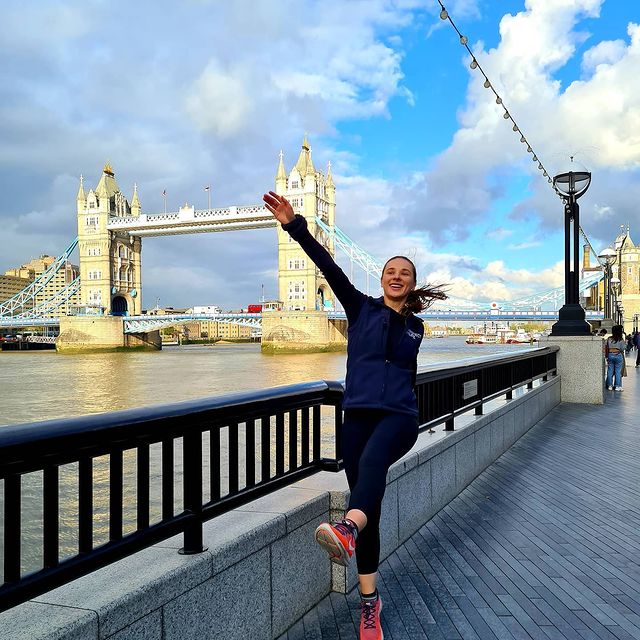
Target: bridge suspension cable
(58, 300)
(24, 299)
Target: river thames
(41, 385)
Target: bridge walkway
(544, 544)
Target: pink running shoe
(338, 540)
(370, 627)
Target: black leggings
(372, 440)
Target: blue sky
(177, 95)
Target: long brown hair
(420, 298)
(616, 332)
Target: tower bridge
(110, 232)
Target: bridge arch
(119, 306)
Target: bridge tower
(301, 287)
(110, 267)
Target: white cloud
(608, 52)
(221, 101)
(593, 119)
(499, 234)
(525, 245)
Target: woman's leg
(390, 437)
(609, 370)
(617, 372)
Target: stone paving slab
(545, 544)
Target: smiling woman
(380, 420)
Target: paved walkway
(544, 544)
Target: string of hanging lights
(475, 65)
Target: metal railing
(224, 452)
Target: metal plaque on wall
(470, 389)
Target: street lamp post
(571, 317)
(615, 287)
(608, 257)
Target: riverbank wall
(262, 571)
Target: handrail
(240, 446)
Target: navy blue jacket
(382, 344)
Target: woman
(380, 409)
(614, 353)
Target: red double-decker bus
(254, 308)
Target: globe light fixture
(571, 317)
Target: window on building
(295, 184)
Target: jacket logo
(413, 334)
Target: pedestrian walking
(636, 341)
(380, 408)
(614, 353)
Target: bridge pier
(82, 334)
(302, 332)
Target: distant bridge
(144, 323)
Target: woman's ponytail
(422, 298)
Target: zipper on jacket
(385, 347)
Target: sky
(179, 95)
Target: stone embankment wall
(262, 571)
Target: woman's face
(397, 279)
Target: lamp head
(572, 184)
(608, 256)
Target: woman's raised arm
(351, 299)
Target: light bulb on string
(474, 64)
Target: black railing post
(448, 425)
(85, 504)
(192, 461)
(168, 474)
(142, 486)
(338, 430)
(279, 443)
(250, 453)
(12, 527)
(214, 463)
(481, 381)
(315, 426)
(304, 438)
(51, 517)
(115, 495)
(293, 440)
(233, 458)
(509, 394)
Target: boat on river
(497, 333)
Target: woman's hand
(279, 206)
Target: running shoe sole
(330, 542)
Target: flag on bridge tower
(208, 190)
(164, 197)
